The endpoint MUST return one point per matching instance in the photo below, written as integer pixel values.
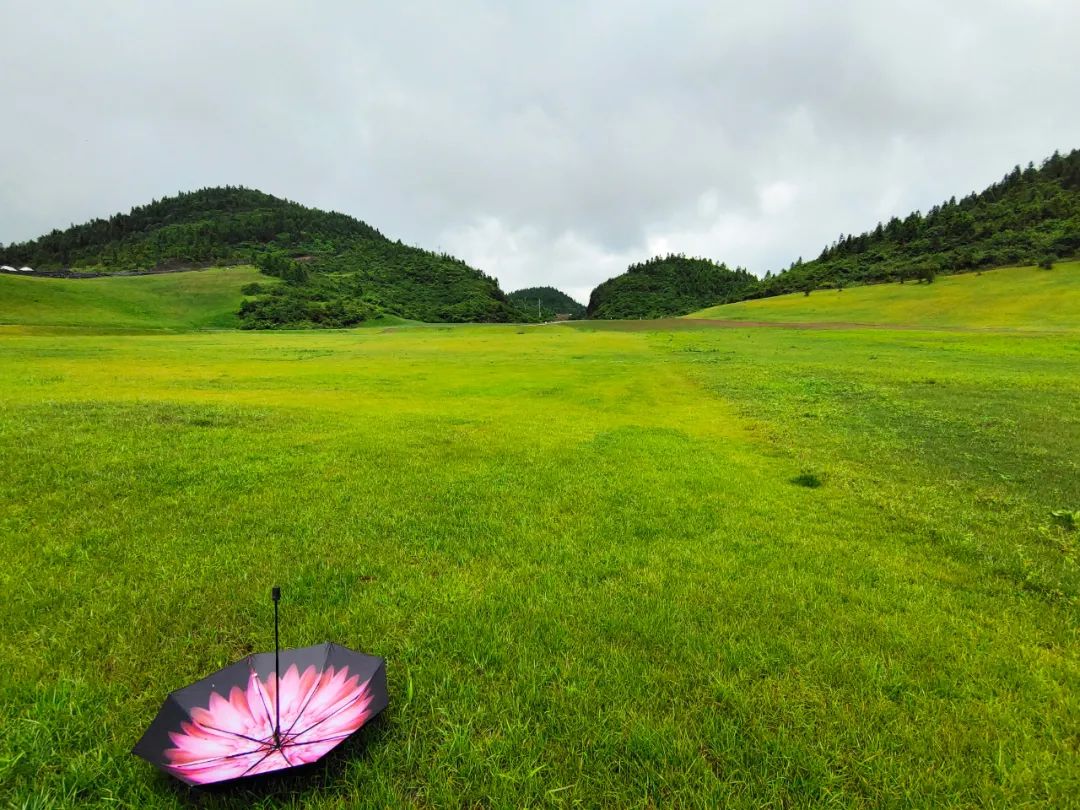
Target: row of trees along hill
(669, 286)
(339, 270)
(552, 302)
(1031, 216)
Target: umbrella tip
(275, 593)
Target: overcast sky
(548, 142)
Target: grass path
(695, 323)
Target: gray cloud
(546, 143)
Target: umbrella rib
(311, 695)
(362, 692)
(261, 761)
(222, 758)
(234, 733)
(262, 697)
(323, 739)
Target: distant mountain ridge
(340, 270)
(211, 224)
(551, 302)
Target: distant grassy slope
(197, 299)
(1012, 297)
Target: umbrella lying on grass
(269, 712)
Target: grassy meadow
(203, 299)
(743, 567)
(1008, 298)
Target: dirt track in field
(668, 324)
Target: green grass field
(1009, 298)
(202, 299)
(590, 558)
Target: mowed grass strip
(584, 554)
(1008, 298)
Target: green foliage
(553, 302)
(300, 245)
(210, 225)
(667, 286)
(298, 306)
(278, 264)
(415, 284)
(1031, 215)
(925, 271)
(1047, 263)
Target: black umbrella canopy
(268, 712)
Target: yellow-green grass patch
(193, 299)
(1008, 298)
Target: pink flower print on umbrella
(231, 724)
(234, 737)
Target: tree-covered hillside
(340, 270)
(670, 285)
(552, 302)
(1031, 216)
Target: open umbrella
(268, 712)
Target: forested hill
(670, 285)
(552, 302)
(1031, 216)
(340, 270)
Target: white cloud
(530, 257)
(548, 143)
(777, 197)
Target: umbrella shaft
(277, 681)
